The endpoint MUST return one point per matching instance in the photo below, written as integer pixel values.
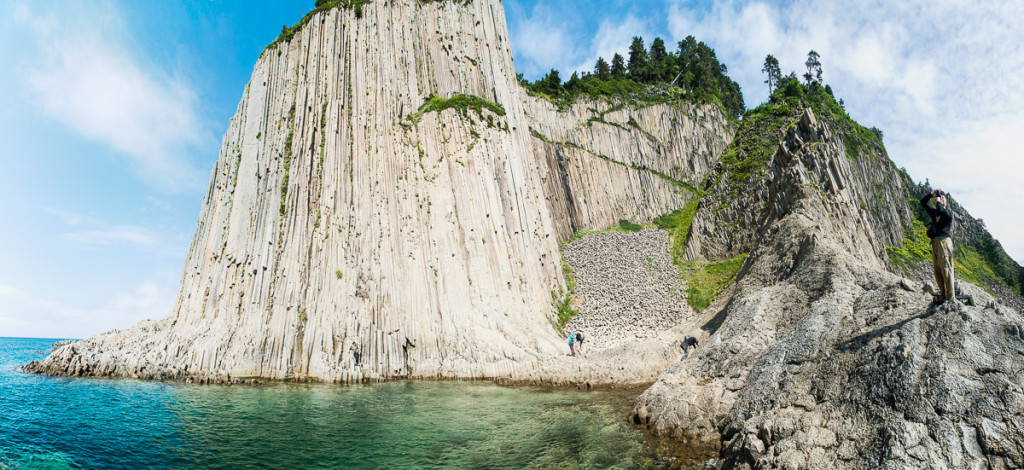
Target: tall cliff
(386, 181)
(820, 356)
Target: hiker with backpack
(942, 245)
(572, 346)
(579, 341)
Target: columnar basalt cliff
(386, 181)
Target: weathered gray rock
(823, 359)
(332, 216)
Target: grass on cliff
(677, 223)
(705, 280)
(563, 300)
(461, 102)
(287, 33)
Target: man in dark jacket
(689, 342)
(942, 245)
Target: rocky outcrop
(344, 209)
(822, 358)
(737, 192)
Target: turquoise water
(48, 422)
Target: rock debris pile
(627, 288)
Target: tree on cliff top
(813, 67)
(701, 76)
(601, 69)
(638, 60)
(618, 66)
(771, 67)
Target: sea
(61, 423)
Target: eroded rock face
(339, 213)
(822, 359)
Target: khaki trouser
(942, 258)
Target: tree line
(692, 66)
(776, 81)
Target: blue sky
(113, 111)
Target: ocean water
(57, 423)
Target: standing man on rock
(942, 245)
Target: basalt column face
(341, 211)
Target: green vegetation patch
(563, 306)
(916, 245)
(747, 156)
(628, 226)
(664, 73)
(859, 141)
(971, 266)
(678, 223)
(461, 102)
(321, 5)
(563, 302)
(706, 280)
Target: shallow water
(56, 423)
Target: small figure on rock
(355, 352)
(942, 245)
(572, 348)
(689, 342)
(579, 341)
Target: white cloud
(943, 79)
(614, 36)
(94, 232)
(79, 72)
(117, 234)
(31, 315)
(541, 38)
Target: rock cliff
(386, 181)
(822, 358)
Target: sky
(113, 111)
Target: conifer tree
(813, 67)
(638, 60)
(601, 69)
(656, 62)
(771, 67)
(618, 66)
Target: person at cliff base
(579, 341)
(689, 342)
(572, 350)
(355, 352)
(942, 244)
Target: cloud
(79, 72)
(614, 36)
(94, 232)
(32, 315)
(942, 79)
(542, 39)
